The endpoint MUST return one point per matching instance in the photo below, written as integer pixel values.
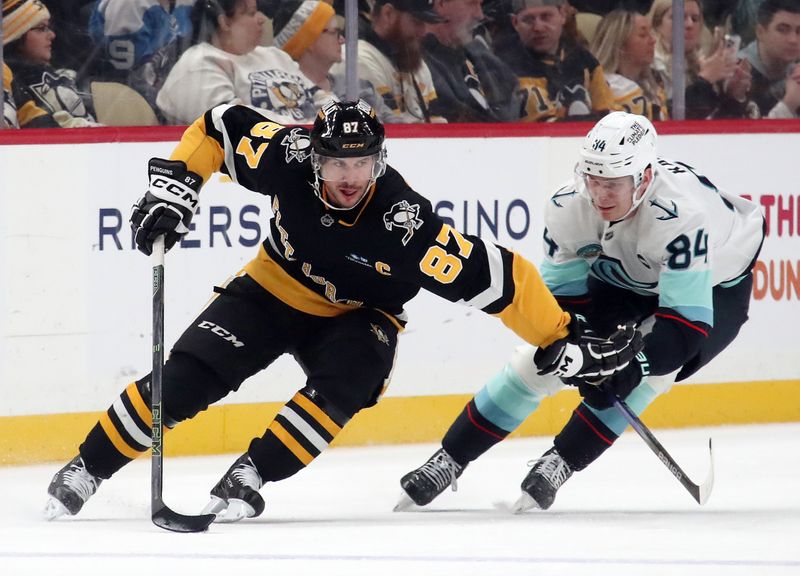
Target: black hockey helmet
(346, 130)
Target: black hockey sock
(299, 433)
(471, 435)
(122, 433)
(583, 439)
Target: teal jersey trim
(505, 401)
(639, 399)
(689, 293)
(567, 279)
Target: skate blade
(524, 503)
(215, 506)
(54, 509)
(236, 510)
(405, 504)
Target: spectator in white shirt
(228, 65)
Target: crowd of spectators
(419, 61)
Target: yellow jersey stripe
(275, 280)
(122, 447)
(332, 427)
(291, 443)
(139, 404)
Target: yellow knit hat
(303, 27)
(19, 16)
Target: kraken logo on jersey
(590, 250)
(403, 215)
(611, 271)
(297, 145)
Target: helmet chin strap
(637, 201)
(319, 183)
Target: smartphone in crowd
(731, 45)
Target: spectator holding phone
(717, 84)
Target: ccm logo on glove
(174, 191)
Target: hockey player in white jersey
(633, 237)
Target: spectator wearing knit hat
(310, 32)
(29, 53)
(20, 109)
(228, 65)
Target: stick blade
(170, 520)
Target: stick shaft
(156, 378)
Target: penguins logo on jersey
(288, 93)
(403, 215)
(297, 145)
(380, 334)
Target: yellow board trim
(317, 414)
(229, 428)
(291, 443)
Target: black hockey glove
(167, 207)
(622, 383)
(582, 355)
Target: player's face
(346, 179)
(612, 197)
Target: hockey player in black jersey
(349, 244)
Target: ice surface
(624, 515)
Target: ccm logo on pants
(221, 332)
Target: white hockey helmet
(620, 144)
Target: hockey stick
(700, 492)
(162, 515)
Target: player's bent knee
(525, 369)
(190, 386)
(662, 384)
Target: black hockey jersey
(377, 254)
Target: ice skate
(69, 489)
(543, 481)
(422, 485)
(236, 495)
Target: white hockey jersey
(686, 237)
